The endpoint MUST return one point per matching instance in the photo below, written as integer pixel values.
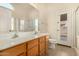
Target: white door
(77, 28)
(64, 28)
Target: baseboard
(63, 45)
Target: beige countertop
(7, 43)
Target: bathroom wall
(48, 17)
(53, 20)
(54, 26)
(5, 18)
(52, 23)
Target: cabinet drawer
(33, 51)
(32, 43)
(14, 51)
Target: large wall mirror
(22, 18)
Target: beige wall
(49, 17)
(48, 20)
(52, 23)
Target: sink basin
(5, 43)
(2, 42)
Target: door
(64, 29)
(77, 28)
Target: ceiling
(56, 5)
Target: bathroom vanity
(35, 45)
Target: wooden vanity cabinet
(46, 45)
(22, 54)
(41, 46)
(14, 51)
(32, 48)
(37, 47)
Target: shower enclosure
(63, 27)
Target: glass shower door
(63, 27)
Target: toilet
(52, 43)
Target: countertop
(7, 43)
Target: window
(36, 25)
(21, 25)
(63, 17)
(12, 24)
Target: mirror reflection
(23, 18)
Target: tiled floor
(63, 51)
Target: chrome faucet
(15, 35)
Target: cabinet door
(42, 53)
(42, 46)
(22, 54)
(33, 51)
(46, 43)
(14, 51)
(32, 48)
(32, 44)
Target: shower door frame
(70, 28)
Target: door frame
(70, 24)
(75, 11)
